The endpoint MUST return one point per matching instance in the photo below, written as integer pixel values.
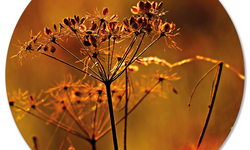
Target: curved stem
(210, 107)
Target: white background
(11, 10)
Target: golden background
(157, 123)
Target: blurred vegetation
(158, 123)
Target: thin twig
(191, 96)
(55, 124)
(77, 58)
(88, 54)
(210, 107)
(119, 64)
(135, 58)
(77, 120)
(72, 66)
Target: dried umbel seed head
(47, 31)
(83, 20)
(45, 48)
(159, 6)
(83, 28)
(172, 26)
(93, 40)
(77, 93)
(55, 27)
(11, 103)
(105, 11)
(174, 90)
(112, 26)
(61, 26)
(134, 10)
(67, 21)
(149, 28)
(132, 20)
(65, 87)
(33, 106)
(93, 26)
(113, 17)
(141, 6)
(39, 47)
(52, 49)
(86, 43)
(99, 100)
(140, 20)
(77, 19)
(153, 5)
(31, 98)
(125, 22)
(166, 27)
(147, 6)
(135, 25)
(73, 22)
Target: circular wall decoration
(125, 75)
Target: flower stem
(93, 144)
(210, 107)
(111, 113)
(131, 109)
(126, 111)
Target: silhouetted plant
(89, 106)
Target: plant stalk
(210, 107)
(111, 113)
(126, 111)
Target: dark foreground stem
(93, 144)
(126, 110)
(131, 109)
(210, 107)
(111, 113)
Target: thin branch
(87, 52)
(72, 66)
(102, 117)
(77, 58)
(109, 66)
(77, 120)
(119, 64)
(210, 107)
(112, 54)
(94, 121)
(55, 124)
(135, 58)
(191, 96)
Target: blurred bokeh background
(157, 123)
